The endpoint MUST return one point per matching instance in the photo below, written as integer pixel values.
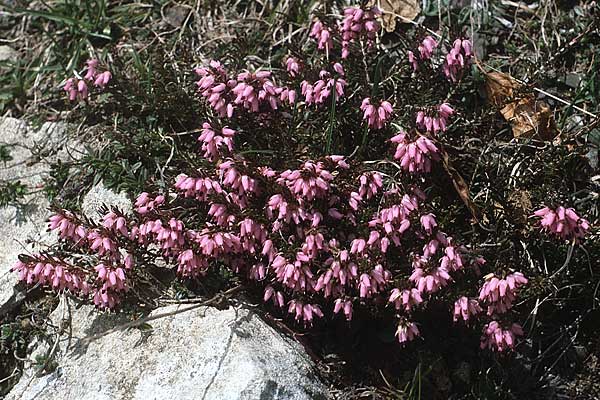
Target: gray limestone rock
(23, 225)
(203, 354)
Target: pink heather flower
(465, 308)
(376, 116)
(255, 89)
(91, 72)
(434, 122)
(428, 282)
(345, 305)
(415, 156)
(370, 184)
(251, 91)
(200, 188)
(52, 272)
(394, 221)
(214, 86)
(82, 89)
(496, 338)
(339, 161)
(413, 60)
(426, 47)
(277, 297)
(322, 35)
(67, 227)
(305, 312)
(213, 143)
(292, 66)
(111, 277)
(563, 222)
(452, 258)
(405, 299)
(424, 52)
(191, 265)
(499, 294)
(319, 91)
(115, 223)
(296, 275)
(239, 184)
(458, 59)
(71, 88)
(104, 298)
(428, 222)
(144, 203)
(78, 88)
(342, 273)
(310, 181)
(102, 79)
(407, 331)
(101, 244)
(356, 22)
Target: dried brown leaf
(393, 9)
(528, 116)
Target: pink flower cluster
(465, 308)
(212, 142)
(67, 226)
(101, 241)
(415, 156)
(458, 59)
(407, 331)
(434, 121)
(425, 52)
(319, 91)
(309, 182)
(303, 311)
(78, 88)
(499, 294)
(52, 272)
(563, 222)
(405, 299)
(357, 21)
(293, 66)
(497, 338)
(251, 91)
(145, 203)
(322, 35)
(212, 85)
(376, 116)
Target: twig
(215, 299)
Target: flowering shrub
(320, 233)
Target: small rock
(573, 80)
(7, 53)
(177, 14)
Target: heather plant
(322, 231)
(323, 181)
